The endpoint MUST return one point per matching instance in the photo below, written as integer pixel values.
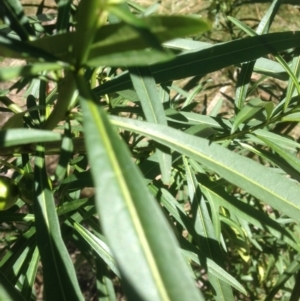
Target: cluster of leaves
(180, 197)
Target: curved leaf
(262, 182)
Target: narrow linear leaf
(217, 194)
(263, 183)
(18, 21)
(153, 109)
(98, 246)
(126, 212)
(14, 137)
(262, 65)
(210, 59)
(66, 153)
(66, 95)
(287, 156)
(105, 288)
(205, 237)
(285, 142)
(278, 57)
(7, 291)
(58, 268)
(292, 117)
(243, 83)
(62, 22)
(291, 85)
(221, 274)
(291, 270)
(12, 48)
(91, 15)
(112, 40)
(273, 159)
(30, 275)
(10, 73)
(247, 112)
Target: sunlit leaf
(126, 209)
(262, 182)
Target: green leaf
(14, 137)
(58, 269)
(129, 58)
(243, 83)
(104, 282)
(126, 211)
(72, 206)
(283, 141)
(221, 274)
(62, 23)
(153, 109)
(30, 274)
(287, 156)
(216, 194)
(15, 49)
(291, 85)
(14, 261)
(293, 117)
(212, 268)
(90, 17)
(270, 68)
(9, 73)
(278, 57)
(138, 24)
(205, 238)
(18, 21)
(266, 21)
(291, 270)
(99, 246)
(65, 154)
(7, 290)
(262, 182)
(66, 96)
(273, 159)
(262, 65)
(172, 206)
(198, 119)
(112, 40)
(196, 63)
(248, 112)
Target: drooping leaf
(260, 181)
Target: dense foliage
(186, 200)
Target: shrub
(179, 196)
